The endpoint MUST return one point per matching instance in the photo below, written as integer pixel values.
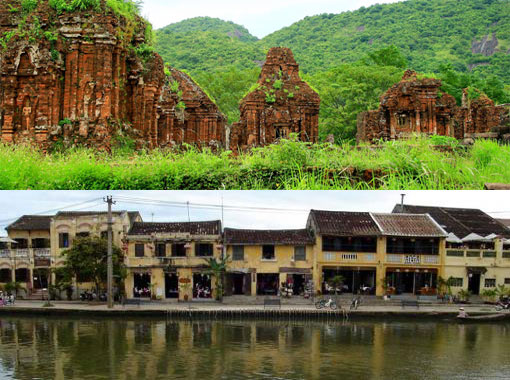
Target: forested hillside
(353, 57)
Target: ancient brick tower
(281, 104)
(418, 106)
(86, 76)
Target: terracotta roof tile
(341, 223)
(31, 223)
(277, 237)
(418, 225)
(193, 228)
(460, 221)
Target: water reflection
(134, 349)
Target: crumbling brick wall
(418, 106)
(280, 104)
(84, 77)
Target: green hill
(472, 34)
(207, 44)
(353, 57)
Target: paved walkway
(214, 306)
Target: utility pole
(109, 200)
(402, 202)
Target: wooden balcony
(403, 259)
(349, 257)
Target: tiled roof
(31, 223)
(460, 221)
(277, 237)
(417, 225)
(88, 213)
(193, 228)
(340, 223)
(505, 222)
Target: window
(178, 250)
(40, 243)
(457, 282)
(203, 250)
(413, 246)
(349, 244)
(300, 253)
(160, 250)
(139, 250)
(238, 254)
(63, 240)
(83, 234)
(490, 282)
(507, 281)
(104, 235)
(22, 243)
(268, 252)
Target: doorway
(142, 285)
(474, 283)
(238, 283)
(267, 284)
(202, 286)
(40, 279)
(171, 285)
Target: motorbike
(87, 296)
(326, 303)
(503, 304)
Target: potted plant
(336, 282)
(185, 285)
(218, 268)
(464, 296)
(489, 295)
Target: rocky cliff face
(280, 103)
(85, 77)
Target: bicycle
(322, 304)
(356, 301)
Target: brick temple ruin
(418, 106)
(281, 104)
(86, 77)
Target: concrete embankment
(231, 312)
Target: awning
(452, 238)
(476, 270)
(296, 270)
(474, 237)
(6, 239)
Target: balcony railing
(506, 254)
(350, 257)
(42, 253)
(475, 253)
(5, 254)
(22, 253)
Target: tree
(13, 287)
(87, 259)
(336, 282)
(388, 56)
(218, 268)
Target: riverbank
(421, 163)
(213, 311)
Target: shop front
(142, 285)
(416, 281)
(355, 280)
(268, 284)
(238, 283)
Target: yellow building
(477, 247)
(169, 260)
(262, 260)
(40, 241)
(373, 251)
(21, 261)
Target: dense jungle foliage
(353, 57)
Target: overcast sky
(261, 17)
(16, 203)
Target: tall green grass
(410, 164)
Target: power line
(205, 205)
(85, 204)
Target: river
(57, 348)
